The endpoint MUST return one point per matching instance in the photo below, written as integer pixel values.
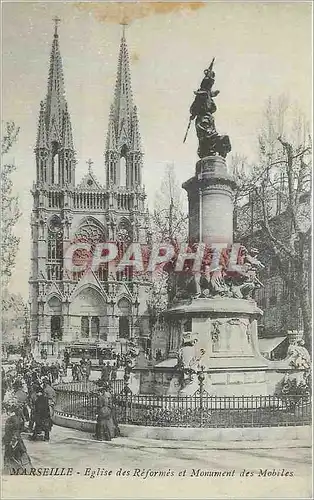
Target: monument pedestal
(212, 327)
(210, 197)
(226, 346)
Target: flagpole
(200, 209)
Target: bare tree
(169, 219)
(9, 208)
(169, 225)
(279, 209)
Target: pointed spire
(68, 137)
(136, 138)
(55, 102)
(123, 137)
(54, 129)
(123, 92)
(41, 142)
(111, 143)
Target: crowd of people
(28, 401)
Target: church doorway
(124, 327)
(56, 328)
(94, 327)
(88, 314)
(90, 326)
(85, 326)
(125, 313)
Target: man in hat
(105, 427)
(42, 418)
(51, 395)
(66, 358)
(105, 373)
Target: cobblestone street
(77, 450)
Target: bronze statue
(202, 110)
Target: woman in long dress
(15, 453)
(105, 426)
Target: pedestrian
(42, 418)
(51, 395)
(4, 384)
(66, 358)
(105, 427)
(32, 399)
(15, 453)
(57, 372)
(22, 400)
(101, 357)
(113, 372)
(105, 373)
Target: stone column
(113, 324)
(67, 334)
(42, 330)
(210, 194)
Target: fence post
(201, 378)
(127, 392)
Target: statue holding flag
(202, 110)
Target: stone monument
(220, 312)
(212, 317)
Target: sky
(262, 49)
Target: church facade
(107, 305)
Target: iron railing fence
(89, 386)
(200, 410)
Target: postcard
(156, 250)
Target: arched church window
(55, 248)
(90, 231)
(124, 327)
(124, 238)
(93, 233)
(94, 327)
(124, 233)
(85, 326)
(124, 319)
(55, 164)
(56, 328)
(122, 171)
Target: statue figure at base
(298, 356)
(132, 354)
(212, 283)
(189, 359)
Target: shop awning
(268, 345)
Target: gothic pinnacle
(41, 142)
(56, 20)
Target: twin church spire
(55, 154)
(123, 155)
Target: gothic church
(103, 306)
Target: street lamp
(26, 340)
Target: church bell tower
(104, 307)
